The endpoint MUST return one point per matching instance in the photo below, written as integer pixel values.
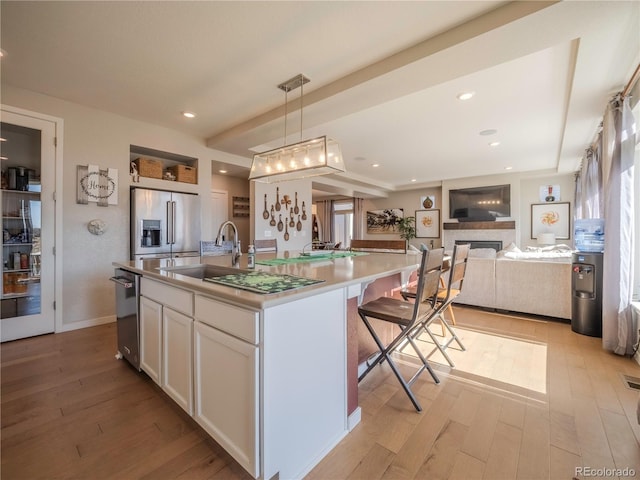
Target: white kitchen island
(268, 376)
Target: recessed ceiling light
(188, 114)
(494, 144)
(375, 165)
(491, 131)
(222, 171)
(2, 139)
(413, 180)
(2, 53)
(508, 168)
(4, 158)
(465, 95)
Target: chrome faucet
(235, 249)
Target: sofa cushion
(512, 247)
(550, 253)
(482, 253)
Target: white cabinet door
(226, 393)
(151, 338)
(177, 370)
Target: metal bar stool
(409, 316)
(445, 298)
(410, 292)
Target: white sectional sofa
(536, 285)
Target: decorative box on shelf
(184, 173)
(149, 167)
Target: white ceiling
(384, 77)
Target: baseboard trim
(93, 322)
(354, 419)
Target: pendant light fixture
(318, 156)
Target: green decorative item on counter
(273, 262)
(261, 282)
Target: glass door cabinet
(27, 227)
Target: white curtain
(589, 193)
(324, 212)
(358, 218)
(618, 143)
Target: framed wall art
(98, 185)
(384, 221)
(551, 218)
(428, 223)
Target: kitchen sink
(204, 271)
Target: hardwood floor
(529, 399)
(70, 410)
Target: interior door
(28, 218)
(219, 210)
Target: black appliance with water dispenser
(586, 278)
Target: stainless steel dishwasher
(127, 315)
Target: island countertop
(338, 272)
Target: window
(343, 222)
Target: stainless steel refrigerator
(164, 224)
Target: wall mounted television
(480, 204)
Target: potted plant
(407, 228)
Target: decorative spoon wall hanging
(304, 212)
(286, 233)
(299, 224)
(291, 221)
(296, 210)
(265, 214)
(278, 199)
(273, 218)
(280, 224)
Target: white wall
(530, 194)
(101, 138)
(261, 228)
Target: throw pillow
(511, 248)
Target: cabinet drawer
(176, 298)
(236, 321)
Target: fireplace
(480, 234)
(495, 244)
